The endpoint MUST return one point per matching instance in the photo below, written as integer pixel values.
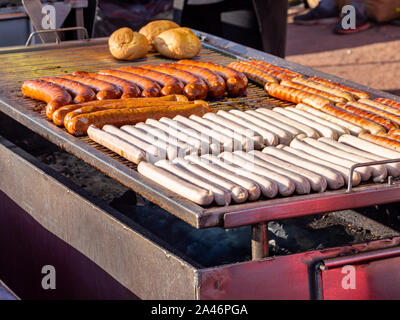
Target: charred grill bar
(28, 63)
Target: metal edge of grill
(230, 216)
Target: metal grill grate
(20, 66)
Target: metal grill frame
(197, 216)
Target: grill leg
(259, 241)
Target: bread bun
(179, 43)
(125, 44)
(154, 28)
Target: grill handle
(56, 30)
(341, 261)
(366, 164)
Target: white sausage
(175, 184)
(329, 165)
(257, 140)
(356, 130)
(268, 188)
(268, 131)
(164, 150)
(276, 115)
(252, 188)
(182, 148)
(322, 130)
(151, 151)
(118, 145)
(286, 186)
(303, 185)
(379, 172)
(318, 183)
(237, 128)
(365, 172)
(338, 129)
(214, 148)
(284, 126)
(392, 168)
(334, 180)
(245, 142)
(238, 193)
(180, 136)
(215, 136)
(222, 197)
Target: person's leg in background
(326, 12)
(272, 21)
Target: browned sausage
(273, 72)
(129, 89)
(215, 83)
(332, 98)
(383, 113)
(80, 92)
(104, 90)
(389, 135)
(59, 114)
(382, 141)
(359, 94)
(295, 95)
(70, 111)
(389, 103)
(195, 88)
(322, 87)
(118, 117)
(253, 73)
(149, 87)
(279, 69)
(236, 82)
(170, 85)
(381, 106)
(353, 118)
(53, 95)
(389, 125)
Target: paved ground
(371, 57)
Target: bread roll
(125, 44)
(154, 28)
(179, 43)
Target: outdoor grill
(124, 259)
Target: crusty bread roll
(125, 44)
(179, 43)
(154, 28)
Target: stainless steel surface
(85, 33)
(124, 250)
(47, 60)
